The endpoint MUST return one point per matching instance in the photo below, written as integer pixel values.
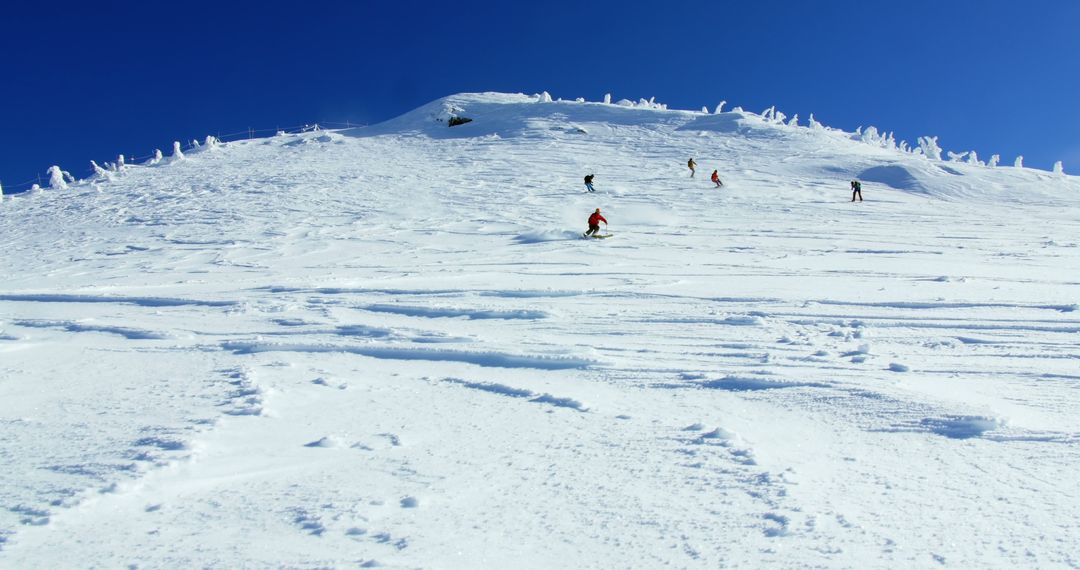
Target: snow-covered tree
(1, 192)
(1019, 163)
(769, 113)
(779, 117)
(737, 110)
(904, 147)
(58, 179)
(194, 144)
(120, 163)
(177, 154)
(720, 107)
(794, 122)
(579, 100)
(930, 148)
(704, 110)
(954, 157)
(1059, 169)
(100, 172)
(994, 160)
(607, 98)
(973, 158)
(211, 141)
(157, 157)
(890, 141)
(545, 97)
(814, 124)
(870, 135)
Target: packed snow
(391, 347)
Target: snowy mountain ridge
(390, 346)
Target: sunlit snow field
(389, 346)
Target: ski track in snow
(383, 348)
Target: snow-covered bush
(1059, 169)
(973, 158)
(194, 144)
(545, 97)
(624, 103)
(930, 148)
(794, 122)
(177, 154)
(579, 100)
(720, 107)
(704, 110)
(157, 157)
(994, 160)
(211, 142)
(279, 134)
(814, 124)
(58, 179)
(1019, 163)
(607, 98)
(737, 110)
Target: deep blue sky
(88, 80)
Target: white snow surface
(389, 346)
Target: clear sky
(89, 80)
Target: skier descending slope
(594, 224)
(588, 183)
(716, 179)
(691, 165)
(856, 188)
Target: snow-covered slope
(390, 347)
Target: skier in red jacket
(594, 223)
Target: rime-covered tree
(1019, 162)
(930, 148)
(58, 179)
(994, 160)
(814, 124)
(870, 135)
(720, 107)
(177, 154)
(1059, 168)
(607, 98)
(100, 172)
(956, 157)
